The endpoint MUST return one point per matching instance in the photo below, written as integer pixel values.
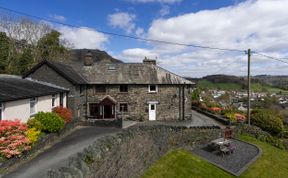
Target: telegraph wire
(122, 35)
(143, 39)
(269, 57)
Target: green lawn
(182, 164)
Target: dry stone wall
(131, 152)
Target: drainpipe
(183, 101)
(86, 101)
(179, 93)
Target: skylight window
(111, 67)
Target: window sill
(152, 92)
(32, 114)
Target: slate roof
(125, 73)
(122, 73)
(15, 88)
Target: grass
(273, 163)
(222, 86)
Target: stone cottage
(101, 87)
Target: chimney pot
(149, 61)
(88, 59)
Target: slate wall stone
(131, 152)
(47, 74)
(169, 98)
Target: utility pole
(249, 87)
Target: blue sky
(256, 24)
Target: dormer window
(111, 67)
(153, 88)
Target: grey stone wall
(47, 74)
(131, 152)
(137, 98)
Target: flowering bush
(33, 134)
(13, 140)
(34, 123)
(50, 122)
(215, 109)
(64, 113)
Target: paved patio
(234, 163)
(197, 120)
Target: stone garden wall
(131, 152)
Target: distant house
(23, 98)
(105, 88)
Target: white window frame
(152, 91)
(54, 99)
(33, 100)
(1, 111)
(120, 108)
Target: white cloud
(257, 24)
(83, 37)
(122, 20)
(140, 32)
(137, 55)
(155, 1)
(165, 10)
(58, 17)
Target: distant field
(223, 86)
(257, 87)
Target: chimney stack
(88, 59)
(149, 61)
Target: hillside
(258, 83)
(276, 81)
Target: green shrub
(261, 135)
(268, 121)
(34, 123)
(33, 134)
(50, 122)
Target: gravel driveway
(60, 152)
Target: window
(61, 99)
(123, 88)
(152, 107)
(1, 110)
(82, 89)
(54, 100)
(33, 102)
(153, 88)
(94, 109)
(100, 89)
(123, 107)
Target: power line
(122, 35)
(270, 57)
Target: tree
(4, 52)
(50, 47)
(25, 61)
(196, 95)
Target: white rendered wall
(20, 109)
